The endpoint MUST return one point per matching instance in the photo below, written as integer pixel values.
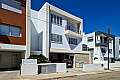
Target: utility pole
(108, 47)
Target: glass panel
(13, 3)
(4, 30)
(15, 31)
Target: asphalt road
(115, 75)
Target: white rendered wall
(117, 47)
(40, 30)
(60, 30)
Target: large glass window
(12, 3)
(4, 30)
(55, 38)
(15, 31)
(8, 30)
(56, 19)
(72, 41)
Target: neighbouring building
(13, 33)
(97, 43)
(117, 48)
(57, 35)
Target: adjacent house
(12, 33)
(97, 43)
(117, 48)
(57, 35)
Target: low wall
(52, 68)
(29, 67)
(112, 65)
(92, 67)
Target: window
(4, 30)
(8, 30)
(91, 50)
(110, 51)
(119, 41)
(110, 41)
(84, 47)
(15, 31)
(56, 19)
(12, 5)
(103, 50)
(60, 20)
(90, 39)
(105, 39)
(72, 41)
(51, 18)
(56, 38)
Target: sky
(97, 15)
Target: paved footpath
(14, 75)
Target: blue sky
(98, 15)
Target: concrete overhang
(71, 33)
(11, 47)
(53, 50)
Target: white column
(28, 7)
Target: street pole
(108, 47)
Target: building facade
(117, 48)
(56, 34)
(97, 43)
(12, 33)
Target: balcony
(101, 44)
(71, 33)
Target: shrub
(40, 58)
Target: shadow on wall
(72, 46)
(4, 39)
(36, 38)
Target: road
(115, 75)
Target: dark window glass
(90, 39)
(55, 19)
(110, 51)
(103, 50)
(72, 41)
(13, 3)
(56, 38)
(58, 19)
(51, 18)
(84, 47)
(15, 31)
(9, 30)
(4, 30)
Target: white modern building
(98, 47)
(56, 34)
(117, 47)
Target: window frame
(10, 31)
